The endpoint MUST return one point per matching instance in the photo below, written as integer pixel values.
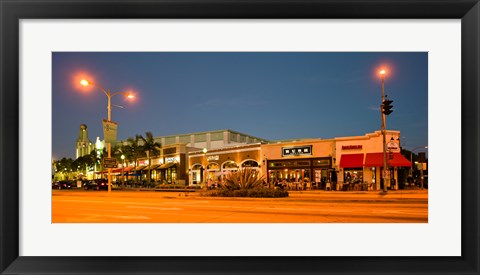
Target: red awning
(351, 161)
(117, 170)
(400, 161)
(114, 170)
(376, 160)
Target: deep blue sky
(266, 94)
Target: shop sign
(169, 160)
(109, 131)
(297, 151)
(351, 147)
(212, 158)
(110, 162)
(392, 146)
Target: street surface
(78, 206)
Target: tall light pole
(205, 182)
(109, 95)
(384, 143)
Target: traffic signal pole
(384, 143)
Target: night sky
(271, 95)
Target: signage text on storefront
(297, 151)
(351, 147)
(212, 158)
(392, 146)
(169, 160)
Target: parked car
(98, 184)
(63, 184)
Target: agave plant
(243, 179)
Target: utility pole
(385, 110)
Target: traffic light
(387, 107)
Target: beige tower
(84, 146)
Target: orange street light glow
(130, 96)
(382, 72)
(84, 82)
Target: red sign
(351, 147)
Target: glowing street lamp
(123, 173)
(205, 182)
(109, 95)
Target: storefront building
(305, 161)
(342, 163)
(213, 165)
(359, 161)
(169, 167)
(172, 165)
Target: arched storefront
(196, 174)
(212, 171)
(250, 163)
(229, 167)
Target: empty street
(78, 206)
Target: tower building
(84, 146)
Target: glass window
(200, 138)
(213, 166)
(216, 136)
(169, 140)
(171, 175)
(185, 139)
(250, 163)
(233, 137)
(230, 165)
(321, 162)
(353, 176)
(302, 163)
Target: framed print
(437, 42)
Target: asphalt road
(78, 206)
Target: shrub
(242, 179)
(246, 183)
(250, 193)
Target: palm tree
(120, 150)
(150, 147)
(96, 159)
(133, 149)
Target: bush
(246, 183)
(249, 193)
(242, 179)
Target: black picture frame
(12, 11)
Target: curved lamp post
(109, 95)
